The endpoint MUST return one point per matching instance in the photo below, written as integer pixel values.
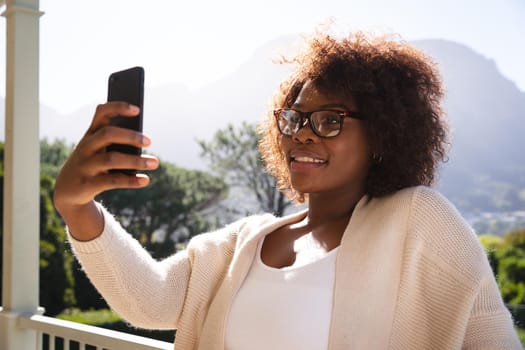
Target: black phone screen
(127, 86)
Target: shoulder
(437, 228)
(423, 204)
(417, 195)
(433, 217)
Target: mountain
(486, 169)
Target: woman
(378, 260)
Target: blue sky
(196, 42)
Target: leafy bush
(507, 259)
(91, 317)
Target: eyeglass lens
(323, 123)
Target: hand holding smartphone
(127, 86)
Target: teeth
(308, 160)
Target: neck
(323, 208)
(328, 216)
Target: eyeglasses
(324, 123)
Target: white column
(21, 174)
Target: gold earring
(377, 158)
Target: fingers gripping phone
(128, 86)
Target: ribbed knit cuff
(111, 228)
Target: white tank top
(286, 308)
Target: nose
(305, 134)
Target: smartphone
(128, 86)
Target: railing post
(21, 174)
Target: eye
(291, 116)
(327, 118)
(332, 119)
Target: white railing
(75, 333)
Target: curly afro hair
(396, 88)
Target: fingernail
(151, 163)
(146, 141)
(142, 181)
(133, 108)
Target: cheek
(357, 153)
(284, 143)
(362, 142)
(365, 155)
(355, 160)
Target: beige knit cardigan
(410, 274)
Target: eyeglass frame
(307, 116)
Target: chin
(302, 185)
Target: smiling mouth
(307, 160)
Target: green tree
(511, 267)
(56, 261)
(52, 156)
(170, 210)
(492, 244)
(56, 279)
(233, 155)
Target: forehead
(311, 97)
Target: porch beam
(21, 235)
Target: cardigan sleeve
(490, 325)
(457, 250)
(145, 292)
